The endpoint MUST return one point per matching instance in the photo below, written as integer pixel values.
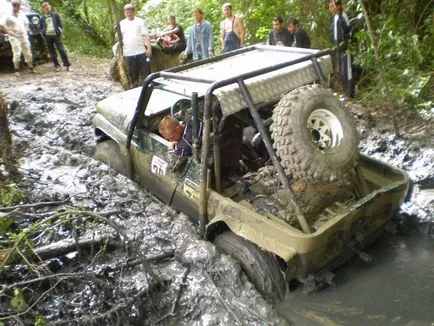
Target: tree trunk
(383, 80)
(6, 155)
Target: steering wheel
(179, 109)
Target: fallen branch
(222, 300)
(60, 248)
(178, 297)
(47, 203)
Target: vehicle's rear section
(344, 229)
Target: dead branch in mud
(64, 246)
(178, 297)
(34, 205)
(22, 313)
(222, 300)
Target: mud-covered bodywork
(234, 181)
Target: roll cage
(156, 81)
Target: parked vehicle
(39, 49)
(275, 179)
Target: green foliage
(405, 52)
(18, 302)
(41, 321)
(10, 194)
(77, 40)
(5, 223)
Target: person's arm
(210, 40)
(174, 38)
(148, 46)
(222, 33)
(147, 38)
(59, 21)
(270, 40)
(190, 41)
(241, 31)
(170, 31)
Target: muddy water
(395, 288)
(53, 136)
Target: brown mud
(50, 116)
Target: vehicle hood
(119, 108)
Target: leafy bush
(10, 195)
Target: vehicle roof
(264, 87)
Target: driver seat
(231, 142)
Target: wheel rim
(325, 130)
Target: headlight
(35, 20)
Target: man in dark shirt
(177, 43)
(51, 29)
(300, 37)
(341, 33)
(279, 35)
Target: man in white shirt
(15, 24)
(136, 45)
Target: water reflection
(396, 288)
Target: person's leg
(349, 86)
(144, 68)
(16, 54)
(27, 52)
(132, 69)
(62, 52)
(50, 46)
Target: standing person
(201, 40)
(51, 29)
(300, 37)
(136, 45)
(341, 32)
(279, 35)
(176, 34)
(16, 24)
(232, 30)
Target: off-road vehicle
(275, 178)
(37, 43)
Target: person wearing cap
(299, 35)
(200, 43)
(279, 35)
(136, 45)
(51, 29)
(232, 31)
(341, 33)
(16, 25)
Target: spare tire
(314, 136)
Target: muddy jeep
(275, 178)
